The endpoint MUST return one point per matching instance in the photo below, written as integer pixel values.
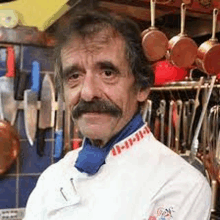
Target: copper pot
(182, 50)
(208, 55)
(9, 145)
(154, 41)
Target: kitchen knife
(1, 108)
(20, 84)
(59, 129)
(9, 104)
(47, 112)
(67, 146)
(30, 103)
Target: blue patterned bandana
(91, 158)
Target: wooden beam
(132, 11)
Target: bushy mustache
(96, 106)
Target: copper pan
(182, 50)
(9, 145)
(208, 54)
(154, 41)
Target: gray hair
(88, 24)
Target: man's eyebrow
(108, 65)
(71, 69)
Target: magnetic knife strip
(21, 105)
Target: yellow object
(37, 13)
(8, 18)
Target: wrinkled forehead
(94, 43)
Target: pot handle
(214, 23)
(183, 16)
(152, 12)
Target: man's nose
(90, 88)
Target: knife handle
(58, 144)
(41, 142)
(20, 85)
(10, 62)
(35, 76)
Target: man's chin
(97, 126)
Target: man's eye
(108, 73)
(74, 76)
(73, 79)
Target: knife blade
(9, 104)
(47, 112)
(1, 108)
(59, 129)
(30, 103)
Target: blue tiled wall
(17, 184)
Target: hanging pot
(208, 55)
(9, 145)
(154, 41)
(182, 50)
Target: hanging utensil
(30, 103)
(217, 157)
(161, 114)
(191, 107)
(185, 126)
(179, 104)
(194, 145)
(212, 152)
(208, 54)
(157, 124)
(182, 50)
(47, 112)
(204, 132)
(170, 126)
(195, 106)
(162, 119)
(154, 41)
(9, 104)
(191, 157)
(147, 110)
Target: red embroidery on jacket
(136, 137)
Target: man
(121, 171)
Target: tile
(26, 186)
(42, 55)
(7, 192)
(2, 72)
(30, 161)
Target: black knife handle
(41, 141)
(20, 85)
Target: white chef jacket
(142, 179)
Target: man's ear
(143, 94)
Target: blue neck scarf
(91, 158)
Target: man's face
(99, 86)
